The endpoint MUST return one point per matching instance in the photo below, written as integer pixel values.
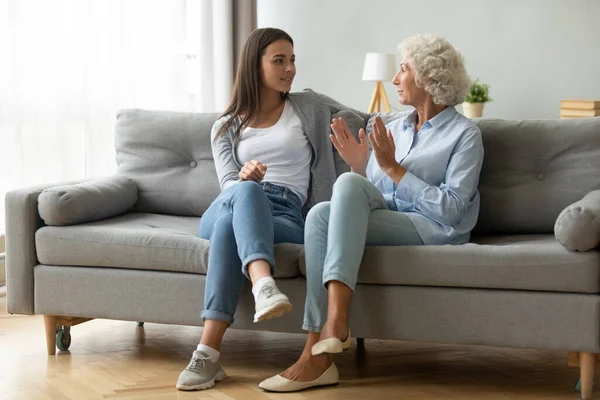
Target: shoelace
(268, 291)
(198, 363)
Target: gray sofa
(126, 247)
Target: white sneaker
(201, 373)
(271, 303)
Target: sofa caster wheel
(63, 338)
(578, 386)
(140, 323)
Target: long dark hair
(246, 90)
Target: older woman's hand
(383, 146)
(354, 153)
(385, 151)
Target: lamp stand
(379, 97)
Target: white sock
(214, 354)
(259, 285)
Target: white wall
(533, 53)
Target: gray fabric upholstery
(533, 169)
(386, 118)
(22, 220)
(88, 201)
(525, 319)
(150, 296)
(168, 155)
(560, 321)
(142, 241)
(578, 226)
(527, 262)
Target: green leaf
(478, 93)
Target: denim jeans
(336, 234)
(243, 224)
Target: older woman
(418, 187)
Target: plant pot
(472, 110)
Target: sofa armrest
(578, 226)
(88, 201)
(22, 221)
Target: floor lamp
(379, 67)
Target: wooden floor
(118, 360)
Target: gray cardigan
(315, 111)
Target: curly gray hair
(438, 67)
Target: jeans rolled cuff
(338, 277)
(311, 328)
(257, 256)
(217, 316)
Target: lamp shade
(379, 67)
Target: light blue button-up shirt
(443, 162)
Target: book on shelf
(580, 104)
(569, 117)
(579, 113)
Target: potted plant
(478, 94)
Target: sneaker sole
(206, 385)
(274, 311)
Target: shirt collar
(437, 121)
(410, 120)
(443, 117)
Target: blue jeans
(243, 224)
(336, 234)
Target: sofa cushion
(88, 201)
(533, 169)
(578, 226)
(141, 241)
(169, 156)
(525, 262)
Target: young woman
(269, 147)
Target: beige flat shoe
(331, 346)
(280, 384)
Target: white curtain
(68, 66)
(215, 31)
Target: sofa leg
(587, 363)
(50, 324)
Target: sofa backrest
(169, 156)
(533, 169)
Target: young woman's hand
(354, 153)
(383, 146)
(253, 171)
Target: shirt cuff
(410, 188)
